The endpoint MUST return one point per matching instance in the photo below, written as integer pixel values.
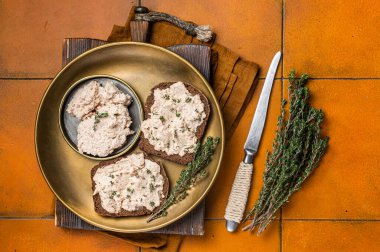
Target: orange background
(336, 42)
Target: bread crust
(124, 213)
(144, 142)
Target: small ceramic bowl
(69, 123)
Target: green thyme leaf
(98, 116)
(297, 149)
(189, 177)
(151, 187)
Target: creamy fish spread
(84, 100)
(105, 121)
(173, 120)
(131, 183)
(100, 136)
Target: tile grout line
(306, 219)
(316, 78)
(282, 39)
(334, 220)
(341, 78)
(48, 217)
(281, 229)
(282, 96)
(16, 78)
(222, 219)
(281, 219)
(259, 78)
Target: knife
(242, 183)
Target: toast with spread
(133, 185)
(176, 116)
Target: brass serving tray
(68, 173)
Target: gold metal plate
(67, 173)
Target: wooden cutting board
(193, 223)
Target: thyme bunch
(189, 177)
(297, 150)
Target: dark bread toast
(123, 213)
(149, 149)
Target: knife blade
(242, 183)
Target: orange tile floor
(336, 42)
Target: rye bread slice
(123, 213)
(148, 148)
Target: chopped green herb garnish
(148, 171)
(178, 114)
(151, 204)
(98, 116)
(102, 115)
(188, 99)
(151, 187)
(162, 119)
(166, 97)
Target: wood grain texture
(198, 55)
(73, 47)
(191, 224)
(140, 31)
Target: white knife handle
(239, 193)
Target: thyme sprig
(98, 116)
(297, 150)
(189, 177)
